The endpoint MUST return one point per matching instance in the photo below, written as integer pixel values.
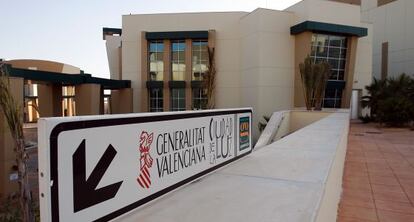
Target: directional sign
(97, 168)
(84, 190)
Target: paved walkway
(379, 175)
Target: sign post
(96, 168)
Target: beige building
(393, 31)
(393, 34)
(48, 89)
(256, 55)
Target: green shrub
(395, 111)
(391, 101)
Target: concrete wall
(267, 62)
(121, 101)
(392, 23)
(296, 179)
(282, 123)
(327, 11)
(302, 50)
(113, 50)
(227, 48)
(7, 154)
(246, 70)
(363, 71)
(328, 208)
(299, 119)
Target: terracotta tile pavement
(378, 182)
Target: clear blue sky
(71, 31)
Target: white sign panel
(100, 167)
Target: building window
(156, 62)
(332, 98)
(68, 101)
(156, 99)
(200, 59)
(177, 99)
(107, 101)
(31, 101)
(178, 60)
(332, 49)
(199, 98)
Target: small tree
(391, 101)
(13, 113)
(209, 79)
(321, 73)
(314, 78)
(376, 91)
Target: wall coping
(297, 178)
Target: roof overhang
(322, 27)
(176, 35)
(68, 79)
(111, 31)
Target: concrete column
(212, 45)
(101, 102)
(121, 101)
(303, 43)
(88, 99)
(188, 74)
(50, 100)
(349, 71)
(7, 154)
(144, 74)
(212, 38)
(167, 74)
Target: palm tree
(321, 73)
(314, 78)
(376, 91)
(306, 74)
(209, 79)
(13, 113)
(391, 101)
(401, 84)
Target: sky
(71, 31)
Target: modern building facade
(257, 56)
(393, 34)
(393, 48)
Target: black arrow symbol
(84, 190)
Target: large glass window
(31, 102)
(178, 60)
(199, 98)
(332, 49)
(156, 99)
(200, 59)
(156, 62)
(332, 98)
(68, 101)
(177, 99)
